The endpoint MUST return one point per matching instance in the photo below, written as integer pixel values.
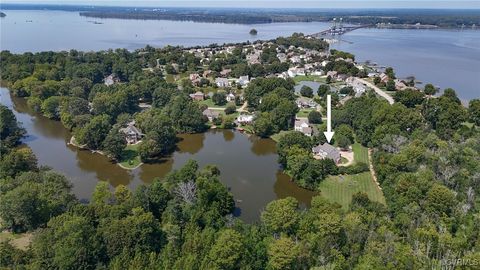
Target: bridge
(338, 28)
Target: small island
(2, 14)
(253, 31)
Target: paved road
(378, 91)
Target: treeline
(441, 18)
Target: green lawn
(313, 78)
(304, 112)
(130, 158)
(209, 103)
(360, 153)
(340, 188)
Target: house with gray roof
(132, 134)
(326, 150)
(211, 114)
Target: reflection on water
(248, 164)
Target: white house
(303, 126)
(244, 119)
(222, 82)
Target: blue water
(446, 58)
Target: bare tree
(186, 191)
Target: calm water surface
(446, 58)
(248, 164)
(61, 30)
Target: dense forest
(425, 152)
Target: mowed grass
(340, 188)
(130, 158)
(360, 153)
(313, 78)
(304, 112)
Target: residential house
(211, 114)
(253, 58)
(132, 134)
(282, 57)
(111, 80)
(332, 74)
(327, 151)
(303, 102)
(357, 85)
(303, 126)
(384, 77)
(195, 78)
(222, 82)
(243, 80)
(224, 73)
(400, 85)
(244, 119)
(230, 97)
(199, 96)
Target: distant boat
(28, 21)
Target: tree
(315, 117)
(281, 215)
(306, 91)
(283, 253)
(377, 80)
(10, 131)
(409, 97)
(69, 242)
(34, 199)
(219, 98)
(342, 141)
(93, 134)
(227, 250)
(390, 73)
(323, 89)
(474, 111)
(114, 143)
(390, 85)
(17, 161)
(231, 108)
(429, 89)
(328, 80)
(263, 126)
(51, 107)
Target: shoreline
(72, 142)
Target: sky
(473, 4)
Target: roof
(328, 151)
(211, 113)
(131, 129)
(299, 122)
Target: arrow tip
(328, 135)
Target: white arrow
(329, 133)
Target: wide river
(446, 58)
(248, 164)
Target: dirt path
(372, 171)
(378, 91)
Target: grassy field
(130, 157)
(209, 103)
(304, 112)
(340, 188)
(360, 153)
(313, 78)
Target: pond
(248, 164)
